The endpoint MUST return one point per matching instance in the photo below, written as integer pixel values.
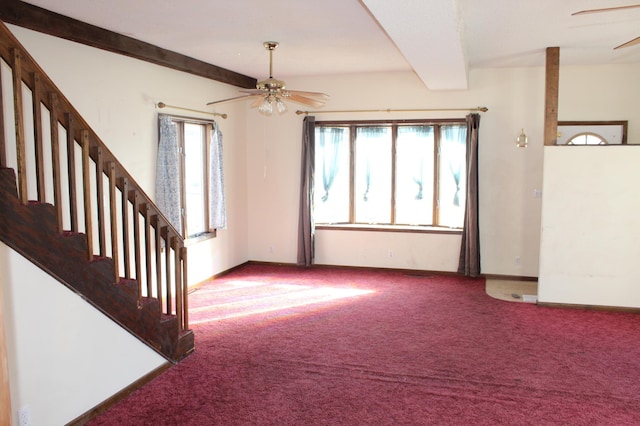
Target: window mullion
(352, 173)
(206, 155)
(436, 170)
(183, 194)
(394, 135)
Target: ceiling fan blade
(252, 91)
(304, 100)
(629, 43)
(310, 94)
(232, 99)
(257, 102)
(606, 9)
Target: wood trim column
(552, 82)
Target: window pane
(452, 175)
(194, 178)
(414, 175)
(331, 186)
(373, 175)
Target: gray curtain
(469, 264)
(217, 204)
(305, 222)
(168, 172)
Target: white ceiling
(440, 40)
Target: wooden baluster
(71, 173)
(158, 241)
(185, 290)
(167, 261)
(100, 200)
(136, 242)
(178, 283)
(3, 143)
(36, 100)
(55, 157)
(113, 214)
(19, 120)
(126, 255)
(86, 189)
(147, 248)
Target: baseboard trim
(604, 308)
(358, 268)
(124, 393)
(409, 271)
(509, 277)
(196, 286)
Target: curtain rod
(481, 109)
(216, 114)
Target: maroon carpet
(341, 347)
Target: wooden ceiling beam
(36, 18)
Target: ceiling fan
(271, 92)
(611, 9)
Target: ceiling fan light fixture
(281, 106)
(266, 106)
(271, 91)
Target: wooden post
(3, 152)
(71, 173)
(552, 82)
(19, 120)
(86, 186)
(55, 157)
(113, 214)
(36, 95)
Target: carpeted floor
(288, 346)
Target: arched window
(586, 138)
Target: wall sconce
(522, 140)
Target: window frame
(179, 121)
(393, 226)
(616, 129)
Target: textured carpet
(339, 347)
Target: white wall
(589, 247)
(510, 215)
(65, 357)
(603, 92)
(590, 226)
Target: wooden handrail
(105, 197)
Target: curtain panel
(217, 203)
(469, 263)
(168, 172)
(306, 228)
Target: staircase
(71, 208)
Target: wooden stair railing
(62, 162)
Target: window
(592, 133)
(193, 145)
(586, 139)
(398, 173)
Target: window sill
(200, 238)
(390, 228)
